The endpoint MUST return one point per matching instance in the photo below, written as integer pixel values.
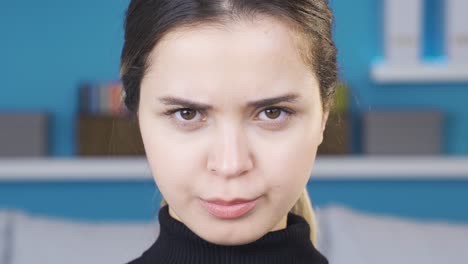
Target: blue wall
(48, 46)
(139, 200)
(358, 37)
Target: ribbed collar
(178, 244)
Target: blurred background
(396, 145)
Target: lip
(228, 209)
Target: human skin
(231, 150)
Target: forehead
(246, 57)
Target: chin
(238, 239)
(231, 234)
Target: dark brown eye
(273, 113)
(188, 114)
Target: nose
(230, 155)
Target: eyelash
(289, 113)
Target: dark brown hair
(147, 21)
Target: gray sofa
(345, 235)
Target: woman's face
(234, 140)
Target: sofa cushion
(4, 235)
(40, 239)
(350, 236)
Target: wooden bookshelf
(337, 135)
(108, 135)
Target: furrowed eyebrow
(288, 98)
(170, 100)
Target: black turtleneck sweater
(177, 244)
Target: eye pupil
(187, 114)
(273, 113)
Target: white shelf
(32, 169)
(330, 168)
(383, 72)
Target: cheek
(291, 162)
(172, 162)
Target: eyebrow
(170, 100)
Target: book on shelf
(456, 31)
(104, 124)
(403, 31)
(101, 98)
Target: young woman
(232, 98)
